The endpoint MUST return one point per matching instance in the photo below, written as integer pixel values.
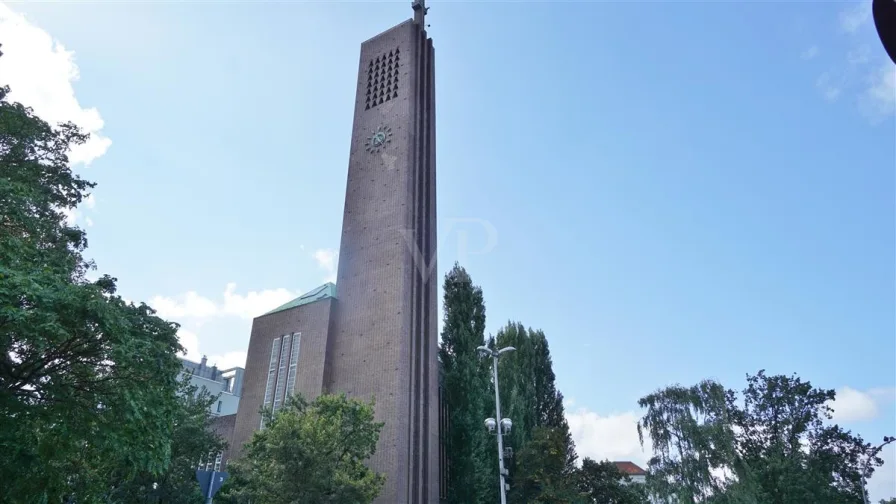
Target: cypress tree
(466, 389)
(549, 401)
(529, 397)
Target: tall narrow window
(281, 373)
(293, 363)
(219, 406)
(272, 371)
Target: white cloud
(254, 303)
(190, 304)
(246, 306)
(829, 86)
(879, 99)
(856, 16)
(851, 405)
(190, 341)
(40, 73)
(327, 261)
(810, 53)
(859, 55)
(613, 437)
(228, 360)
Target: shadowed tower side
(383, 337)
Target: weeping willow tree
(772, 444)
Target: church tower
(374, 334)
(383, 336)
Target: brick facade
(379, 339)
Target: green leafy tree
(891, 500)
(692, 436)
(192, 439)
(530, 398)
(777, 448)
(541, 476)
(309, 452)
(517, 384)
(549, 411)
(794, 453)
(472, 467)
(87, 381)
(604, 483)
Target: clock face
(378, 139)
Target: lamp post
(503, 424)
(887, 440)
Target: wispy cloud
(853, 405)
(872, 85)
(878, 101)
(830, 86)
(810, 53)
(854, 17)
(327, 260)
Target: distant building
(226, 384)
(637, 475)
(632, 470)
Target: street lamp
(887, 440)
(494, 426)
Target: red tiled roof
(630, 468)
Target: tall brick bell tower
(383, 339)
(378, 337)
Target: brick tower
(383, 339)
(378, 337)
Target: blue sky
(672, 191)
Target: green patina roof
(327, 290)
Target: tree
(692, 438)
(530, 398)
(777, 448)
(604, 483)
(891, 500)
(472, 469)
(192, 439)
(793, 454)
(542, 476)
(87, 381)
(309, 452)
(549, 411)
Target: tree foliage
(604, 483)
(309, 452)
(530, 398)
(87, 380)
(542, 475)
(472, 466)
(777, 447)
(192, 439)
